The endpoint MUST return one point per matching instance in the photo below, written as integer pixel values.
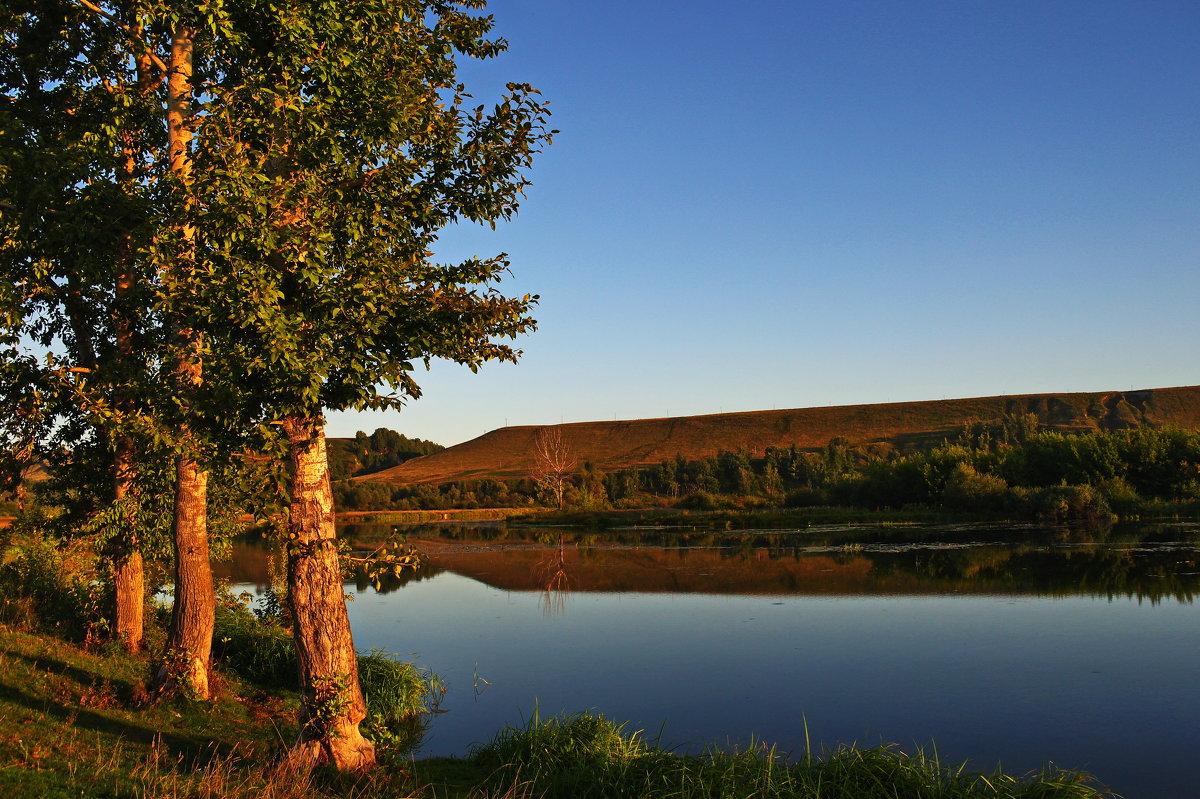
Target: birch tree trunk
(332, 701)
(188, 656)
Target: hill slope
(509, 451)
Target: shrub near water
(255, 650)
(399, 698)
(588, 757)
(398, 695)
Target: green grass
(76, 722)
(589, 757)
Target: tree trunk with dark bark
(128, 577)
(332, 701)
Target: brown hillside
(509, 451)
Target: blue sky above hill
(792, 203)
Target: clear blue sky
(787, 203)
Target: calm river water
(1001, 644)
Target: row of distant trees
(366, 454)
(217, 220)
(1011, 465)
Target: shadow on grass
(127, 690)
(64, 708)
(192, 749)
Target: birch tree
(336, 144)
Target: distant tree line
(365, 454)
(1010, 467)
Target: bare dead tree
(556, 583)
(553, 462)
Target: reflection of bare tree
(553, 462)
(555, 580)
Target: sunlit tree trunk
(187, 660)
(189, 646)
(128, 572)
(128, 577)
(332, 701)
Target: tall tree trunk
(332, 701)
(188, 657)
(127, 561)
(128, 574)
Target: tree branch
(132, 33)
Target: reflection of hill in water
(983, 570)
(1145, 562)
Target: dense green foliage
(45, 583)
(218, 221)
(1043, 474)
(588, 757)
(481, 494)
(364, 454)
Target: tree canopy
(217, 221)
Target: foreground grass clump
(589, 757)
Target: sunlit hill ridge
(510, 452)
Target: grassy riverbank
(758, 518)
(762, 518)
(76, 721)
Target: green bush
(254, 650)
(806, 497)
(1070, 503)
(702, 500)
(969, 490)
(1120, 495)
(46, 584)
(399, 697)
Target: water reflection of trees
(1145, 562)
(1091, 570)
(555, 580)
(387, 582)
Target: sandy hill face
(509, 452)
